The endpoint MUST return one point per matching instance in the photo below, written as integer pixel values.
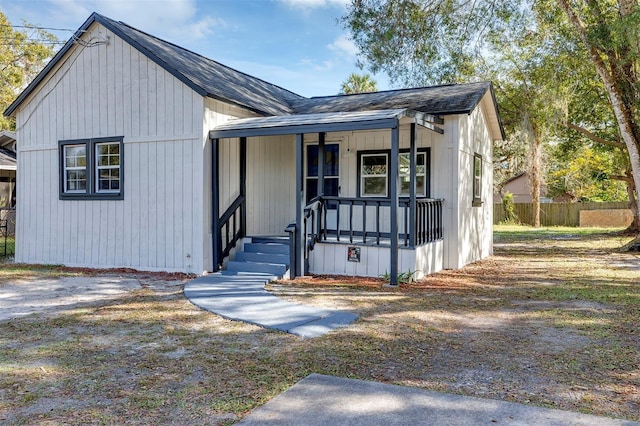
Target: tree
(357, 83)
(610, 45)
(583, 172)
(445, 40)
(23, 53)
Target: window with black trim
(374, 179)
(92, 168)
(477, 180)
(331, 171)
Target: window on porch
(374, 179)
(331, 166)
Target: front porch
(359, 242)
(392, 231)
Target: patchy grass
(550, 320)
(10, 243)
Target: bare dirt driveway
(550, 320)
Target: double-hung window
(91, 168)
(374, 178)
(75, 168)
(477, 180)
(374, 170)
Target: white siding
(375, 261)
(448, 176)
(475, 224)
(271, 184)
(113, 90)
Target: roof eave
(385, 123)
(174, 72)
(272, 127)
(149, 54)
(495, 105)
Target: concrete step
(282, 259)
(252, 276)
(264, 268)
(273, 240)
(274, 248)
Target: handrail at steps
(311, 212)
(231, 223)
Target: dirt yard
(550, 320)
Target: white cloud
(344, 45)
(165, 18)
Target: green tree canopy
(358, 83)
(542, 55)
(23, 53)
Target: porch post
(216, 246)
(321, 139)
(243, 185)
(393, 193)
(413, 163)
(299, 243)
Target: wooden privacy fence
(554, 214)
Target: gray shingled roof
(212, 79)
(435, 100)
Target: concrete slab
(323, 325)
(242, 297)
(325, 400)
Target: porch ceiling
(322, 122)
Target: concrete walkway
(325, 400)
(241, 296)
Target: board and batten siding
(271, 184)
(375, 261)
(113, 90)
(474, 224)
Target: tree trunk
(634, 227)
(535, 182)
(615, 88)
(534, 168)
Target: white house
(134, 152)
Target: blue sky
(296, 44)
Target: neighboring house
(8, 166)
(135, 152)
(520, 187)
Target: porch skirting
(331, 259)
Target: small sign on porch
(353, 254)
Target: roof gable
(205, 76)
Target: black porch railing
(230, 229)
(362, 220)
